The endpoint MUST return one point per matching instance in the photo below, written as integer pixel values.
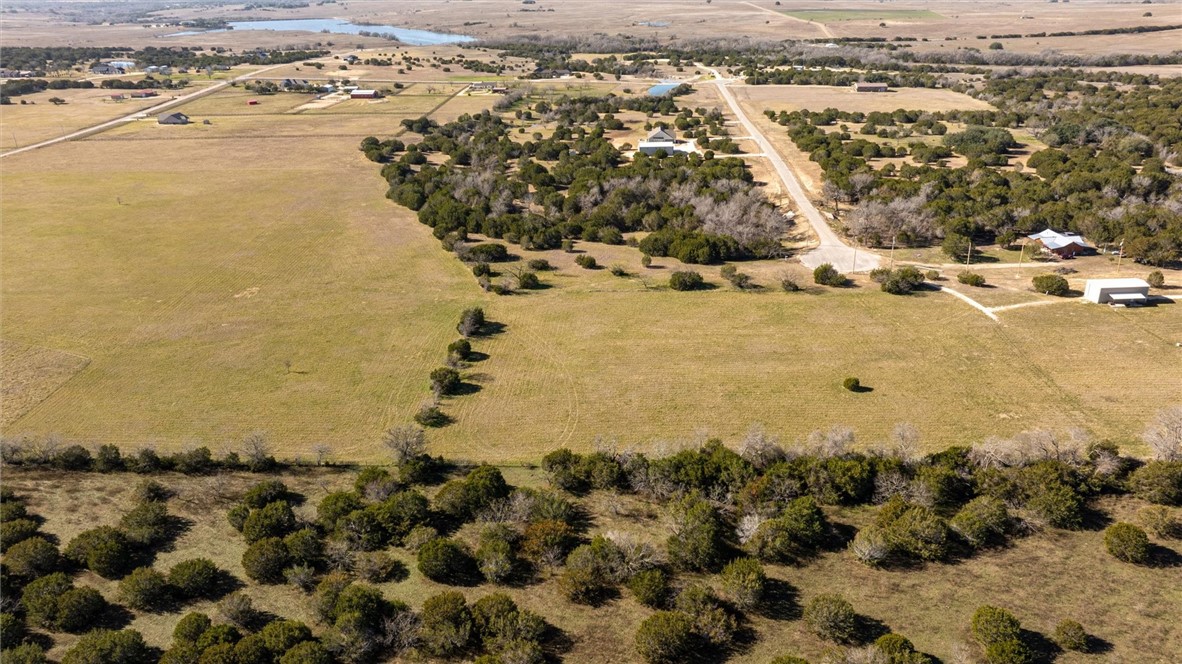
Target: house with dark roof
(1063, 245)
(661, 134)
(173, 119)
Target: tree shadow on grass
(1094, 520)
(476, 356)
(1044, 649)
(556, 643)
(870, 629)
(1163, 557)
(464, 389)
(781, 601)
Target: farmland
(838, 15)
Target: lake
(337, 26)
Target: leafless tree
(256, 450)
(1164, 434)
(869, 546)
(405, 442)
(759, 447)
(747, 526)
(400, 632)
(889, 483)
(637, 555)
(338, 555)
(237, 608)
(832, 443)
(322, 451)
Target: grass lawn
(837, 15)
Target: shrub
(539, 264)
(10, 510)
(304, 547)
(264, 493)
(446, 624)
(482, 270)
(789, 285)
(250, 650)
(548, 540)
(146, 524)
(982, 520)
(902, 281)
(914, 530)
(870, 546)
(471, 322)
(971, 279)
(308, 652)
(686, 280)
(336, 505)
(279, 636)
(12, 629)
(401, 513)
(827, 275)
(32, 557)
(265, 560)
(445, 381)
(444, 560)
(237, 515)
(591, 571)
(194, 578)
(788, 659)
(650, 587)
(646, 260)
(1050, 284)
(696, 544)
(665, 637)
(149, 490)
(104, 646)
(190, 628)
(16, 530)
(25, 653)
(852, 384)
(795, 534)
(832, 618)
(992, 625)
(1158, 482)
(489, 252)
(78, 609)
(1070, 635)
(144, 589)
(376, 566)
(618, 271)
(40, 599)
(274, 520)
(1158, 520)
(743, 580)
(74, 457)
(103, 550)
(460, 349)
(1127, 542)
(1156, 279)
(494, 555)
(1057, 504)
(586, 261)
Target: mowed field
(40, 120)
(249, 275)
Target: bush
(1156, 279)
(279, 636)
(401, 513)
(1070, 635)
(78, 609)
(264, 493)
(1127, 542)
(460, 349)
(336, 505)
(25, 653)
(304, 547)
(913, 530)
(236, 516)
(586, 261)
(1050, 284)
(148, 490)
(445, 381)
(446, 624)
(666, 637)
(902, 281)
(265, 560)
(1158, 482)
(793, 535)
(74, 457)
(1159, 520)
(827, 275)
(103, 550)
(190, 628)
(744, 580)
(482, 270)
(686, 280)
(494, 555)
(992, 625)
(146, 524)
(104, 646)
(982, 520)
(274, 520)
(194, 578)
(40, 599)
(308, 652)
(12, 629)
(789, 285)
(144, 589)
(832, 618)
(16, 530)
(591, 571)
(646, 261)
(852, 384)
(650, 587)
(618, 271)
(471, 322)
(32, 557)
(238, 609)
(376, 566)
(696, 544)
(548, 540)
(444, 560)
(539, 265)
(1058, 504)
(971, 279)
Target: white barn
(1116, 291)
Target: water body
(662, 89)
(337, 26)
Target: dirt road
(832, 249)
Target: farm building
(104, 68)
(144, 94)
(364, 94)
(173, 119)
(871, 87)
(1116, 291)
(1063, 245)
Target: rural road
(142, 113)
(832, 249)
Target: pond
(404, 35)
(662, 89)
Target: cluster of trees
(148, 82)
(50, 452)
(26, 86)
(1110, 190)
(841, 78)
(573, 185)
(551, 56)
(446, 381)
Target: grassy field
(838, 15)
(1042, 578)
(758, 98)
(40, 120)
(253, 277)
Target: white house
(1116, 291)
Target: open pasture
(39, 120)
(838, 15)
(758, 98)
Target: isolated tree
(1127, 542)
(1164, 434)
(832, 618)
(405, 443)
(744, 580)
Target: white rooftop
(1056, 240)
(1122, 282)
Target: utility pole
(1021, 253)
(854, 267)
(1121, 255)
(893, 238)
(969, 257)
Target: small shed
(1117, 291)
(173, 119)
(144, 94)
(252, 102)
(363, 94)
(871, 87)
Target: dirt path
(832, 249)
(820, 26)
(138, 115)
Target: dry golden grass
(30, 374)
(758, 98)
(40, 120)
(1043, 578)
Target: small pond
(662, 89)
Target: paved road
(137, 115)
(832, 249)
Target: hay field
(758, 98)
(40, 120)
(838, 15)
(1127, 606)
